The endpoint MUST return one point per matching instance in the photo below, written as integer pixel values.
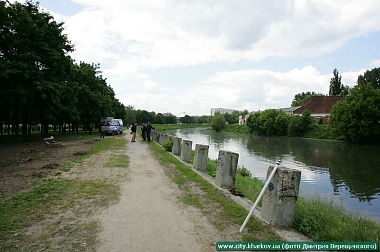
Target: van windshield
(114, 123)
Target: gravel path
(149, 216)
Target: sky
(186, 57)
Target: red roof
(318, 104)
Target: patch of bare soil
(23, 163)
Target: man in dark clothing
(148, 130)
(143, 131)
(133, 132)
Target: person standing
(133, 132)
(102, 130)
(143, 131)
(148, 130)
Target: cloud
(130, 39)
(375, 63)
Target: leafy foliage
(300, 97)
(269, 122)
(298, 125)
(370, 76)
(40, 83)
(357, 117)
(168, 144)
(335, 83)
(218, 122)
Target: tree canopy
(300, 97)
(41, 84)
(357, 118)
(370, 76)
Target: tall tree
(335, 83)
(370, 76)
(357, 117)
(34, 55)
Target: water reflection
(346, 173)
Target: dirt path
(149, 216)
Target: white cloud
(375, 63)
(131, 38)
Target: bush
(218, 123)
(168, 144)
(244, 172)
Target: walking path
(149, 216)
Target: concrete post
(226, 169)
(163, 138)
(153, 135)
(157, 137)
(279, 200)
(200, 157)
(186, 150)
(176, 149)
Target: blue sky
(191, 56)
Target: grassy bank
(317, 218)
(165, 127)
(56, 213)
(221, 210)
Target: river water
(346, 173)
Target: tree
(187, 119)
(300, 97)
(357, 117)
(299, 124)
(130, 116)
(270, 122)
(33, 59)
(170, 119)
(218, 123)
(335, 83)
(370, 76)
(160, 119)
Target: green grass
(221, 210)
(166, 127)
(109, 143)
(121, 160)
(318, 219)
(57, 210)
(45, 201)
(325, 221)
(237, 128)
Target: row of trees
(272, 122)
(40, 83)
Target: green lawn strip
(57, 209)
(108, 143)
(49, 200)
(221, 210)
(325, 221)
(118, 160)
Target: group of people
(146, 130)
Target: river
(346, 173)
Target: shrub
(168, 144)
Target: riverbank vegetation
(319, 219)
(223, 212)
